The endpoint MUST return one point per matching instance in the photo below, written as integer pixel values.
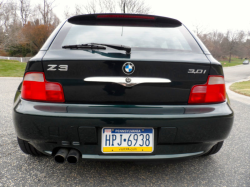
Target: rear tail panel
(183, 76)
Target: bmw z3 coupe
(122, 87)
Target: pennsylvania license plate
(127, 140)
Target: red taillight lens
(126, 16)
(36, 88)
(213, 91)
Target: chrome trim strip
(127, 81)
(114, 157)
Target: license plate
(127, 140)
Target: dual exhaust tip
(63, 154)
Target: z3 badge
(57, 67)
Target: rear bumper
(180, 131)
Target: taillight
(213, 91)
(126, 16)
(36, 88)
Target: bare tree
(46, 11)
(35, 17)
(198, 29)
(1, 12)
(227, 45)
(7, 14)
(232, 41)
(9, 20)
(134, 6)
(247, 45)
(66, 12)
(5, 20)
(79, 9)
(96, 6)
(1, 3)
(111, 6)
(91, 6)
(107, 6)
(25, 10)
(213, 42)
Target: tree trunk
(229, 57)
(44, 22)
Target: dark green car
(122, 87)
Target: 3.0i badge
(128, 68)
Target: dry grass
(11, 68)
(241, 87)
(234, 62)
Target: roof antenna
(124, 8)
(124, 13)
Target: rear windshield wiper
(83, 46)
(97, 46)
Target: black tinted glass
(168, 38)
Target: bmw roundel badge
(128, 68)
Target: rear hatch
(178, 59)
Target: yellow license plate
(127, 140)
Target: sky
(219, 15)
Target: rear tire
(215, 149)
(27, 148)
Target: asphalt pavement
(229, 167)
(236, 73)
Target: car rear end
(165, 99)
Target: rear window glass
(167, 38)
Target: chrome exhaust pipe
(61, 155)
(73, 156)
